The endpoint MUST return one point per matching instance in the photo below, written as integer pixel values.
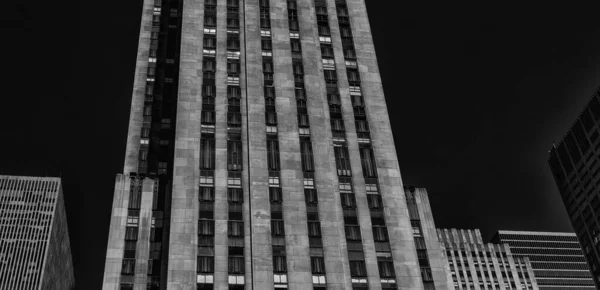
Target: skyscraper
(477, 265)
(35, 252)
(259, 153)
(574, 164)
(556, 258)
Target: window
(327, 51)
(279, 264)
(296, 47)
(342, 160)
(317, 265)
(235, 229)
(128, 267)
(307, 156)
(275, 194)
(386, 269)
(277, 228)
(235, 195)
(233, 41)
(273, 154)
(207, 153)
(314, 229)
(353, 233)
(266, 44)
(358, 269)
(210, 42)
(234, 92)
(131, 233)
(368, 162)
(348, 200)
(271, 118)
(205, 264)
(236, 265)
(234, 155)
(206, 194)
(208, 91)
(380, 234)
(310, 196)
(233, 68)
(303, 121)
(206, 227)
(374, 201)
(330, 76)
(234, 119)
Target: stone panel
(116, 233)
(184, 203)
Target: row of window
(422, 254)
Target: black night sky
(476, 94)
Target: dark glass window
(368, 162)
(277, 228)
(234, 155)
(207, 153)
(386, 269)
(358, 269)
(279, 264)
(314, 229)
(236, 265)
(273, 154)
(342, 160)
(348, 200)
(206, 227)
(353, 233)
(380, 234)
(235, 229)
(206, 194)
(128, 267)
(205, 264)
(307, 156)
(317, 265)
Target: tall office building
(556, 258)
(259, 154)
(35, 251)
(574, 164)
(474, 264)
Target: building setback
(476, 265)
(556, 258)
(574, 164)
(260, 154)
(35, 251)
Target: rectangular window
(206, 194)
(368, 162)
(233, 67)
(374, 201)
(208, 91)
(206, 227)
(380, 234)
(327, 51)
(314, 229)
(273, 154)
(235, 195)
(342, 160)
(271, 118)
(128, 267)
(310, 196)
(277, 228)
(386, 269)
(358, 269)
(234, 155)
(236, 265)
(205, 264)
(303, 121)
(275, 194)
(330, 76)
(317, 265)
(279, 264)
(235, 229)
(353, 233)
(207, 153)
(131, 233)
(307, 156)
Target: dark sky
(477, 94)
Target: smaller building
(35, 252)
(477, 265)
(556, 258)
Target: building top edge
(537, 233)
(49, 178)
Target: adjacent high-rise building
(260, 154)
(474, 264)
(35, 251)
(574, 162)
(556, 258)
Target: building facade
(473, 264)
(576, 169)
(556, 258)
(260, 154)
(35, 250)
